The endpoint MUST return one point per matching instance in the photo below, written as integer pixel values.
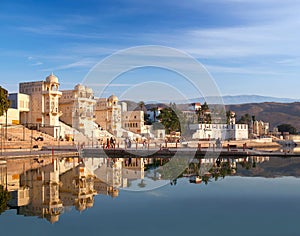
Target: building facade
(77, 106)
(108, 114)
(221, 131)
(260, 128)
(21, 102)
(133, 121)
(44, 103)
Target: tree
(154, 109)
(245, 119)
(4, 198)
(230, 115)
(287, 128)
(142, 106)
(4, 102)
(203, 114)
(171, 118)
(142, 184)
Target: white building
(77, 106)
(21, 102)
(221, 131)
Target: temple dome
(79, 87)
(52, 79)
(89, 90)
(113, 98)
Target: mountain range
(272, 112)
(242, 99)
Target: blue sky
(248, 46)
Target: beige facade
(260, 128)
(44, 194)
(13, 117)
(44, 103)
(108, 114)
(133, 121)
(21, 102)
(77, 188)
(133, 169)
(77, 108)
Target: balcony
(56, 112)
(52, 93)
(82, 115)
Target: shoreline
(229, 148)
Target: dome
(79, 87)
(114, 193)
(89, 90)
(113, 98)
(54, 219)
(52, 79)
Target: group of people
(110, 143)
(127, 142)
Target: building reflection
(45, 188)
(204, 170)
(43, 191)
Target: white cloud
(37, 63)
(242, 70)
(280, 38)
(61, 31)
(87, 63)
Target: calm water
(252, 196)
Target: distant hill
(275, 167)
(272, 112)
(275, 113)
(242, 99)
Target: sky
(247, 46)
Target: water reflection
(47, 187)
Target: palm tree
(230, 115)
(154, 109)
(203, 114)
(198, 113)
(4, 105)
(206, 179)
(141, 105)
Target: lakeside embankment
(229, 148)
(55, 153)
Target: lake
(141, 196)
